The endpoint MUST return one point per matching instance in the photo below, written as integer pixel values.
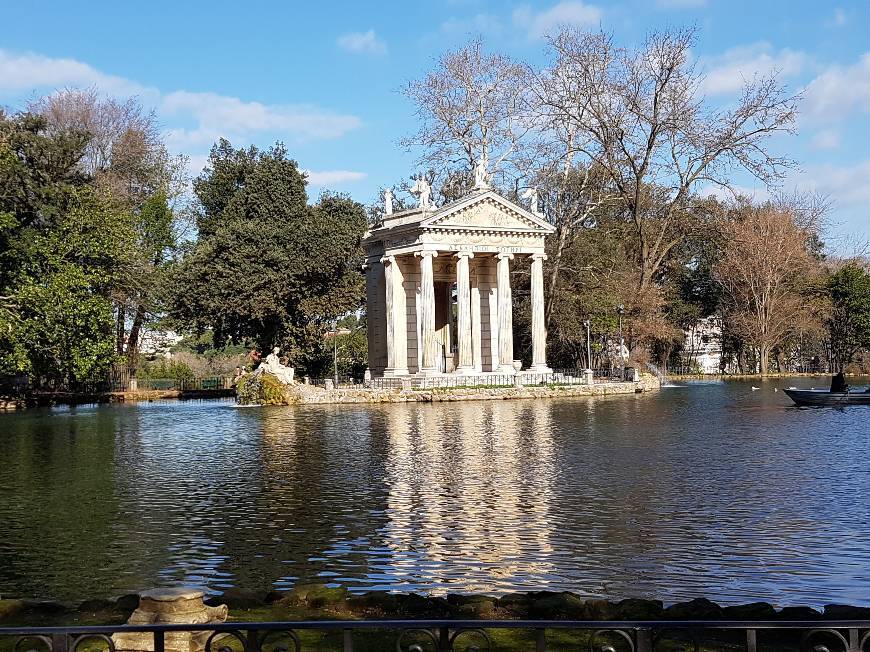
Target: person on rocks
(254, 357)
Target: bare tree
(647, 126)
(125, 151)
(472, 106)
(765, 268)
(572, 184)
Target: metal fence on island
(560, 377)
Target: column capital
(503, 256)
(538, 256)
(426, 252)
(388, 260)
(464, 254)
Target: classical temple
(419, 259)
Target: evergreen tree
(268, 266)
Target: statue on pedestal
(273, 366)
(532, 195)
(422, 188)
(388, 202)
(481, 175)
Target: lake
(710, 489)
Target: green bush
(165, 368)
(260, 389)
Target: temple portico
(420, 260)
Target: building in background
(702, 350)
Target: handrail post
(644, 639)
(444, 644)
(854, 640)
(751, 640)
(159, 641)
(540, 640)
(348, 640)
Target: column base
(506, 369)
(465, 371)
(430, 372)
(394, 372)
(540, 369)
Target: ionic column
(539, 329)
(427, 310)
(388, 291)
(397, 318)
(476, 347)
(463, 313)
(505, 316)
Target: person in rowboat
(838, 384)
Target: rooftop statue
(422, 188)
(388, 202)
(481, 176)
(532, 195)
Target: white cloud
(570, 13)
(217, 115)
(333, 177)
(728, 72)
(680, 4)
(839, 91)
(839, 19)
(210, 114)
(362, 43)
(847, 185)
(202, 118)
(826, 139)
(28, 72)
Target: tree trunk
(555, 268)
(133, 340)
(763, 355)
(120, 328)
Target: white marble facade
(417, 258)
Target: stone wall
(308, 394)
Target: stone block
(751, 611)
(170, 606)
(635, 609)
(697, 609)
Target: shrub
(260, 389)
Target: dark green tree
(849, 320)
(268, 266)
(64, 247)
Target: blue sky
(323, 76)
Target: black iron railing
(463, 636)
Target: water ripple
(711, 490)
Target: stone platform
(309, 394)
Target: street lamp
(620, 309)
(588, 346)
(335, 352)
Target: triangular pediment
(487, 211)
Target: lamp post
(620, 309)
(588, 346)
(335, 352)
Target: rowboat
(823, 397)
